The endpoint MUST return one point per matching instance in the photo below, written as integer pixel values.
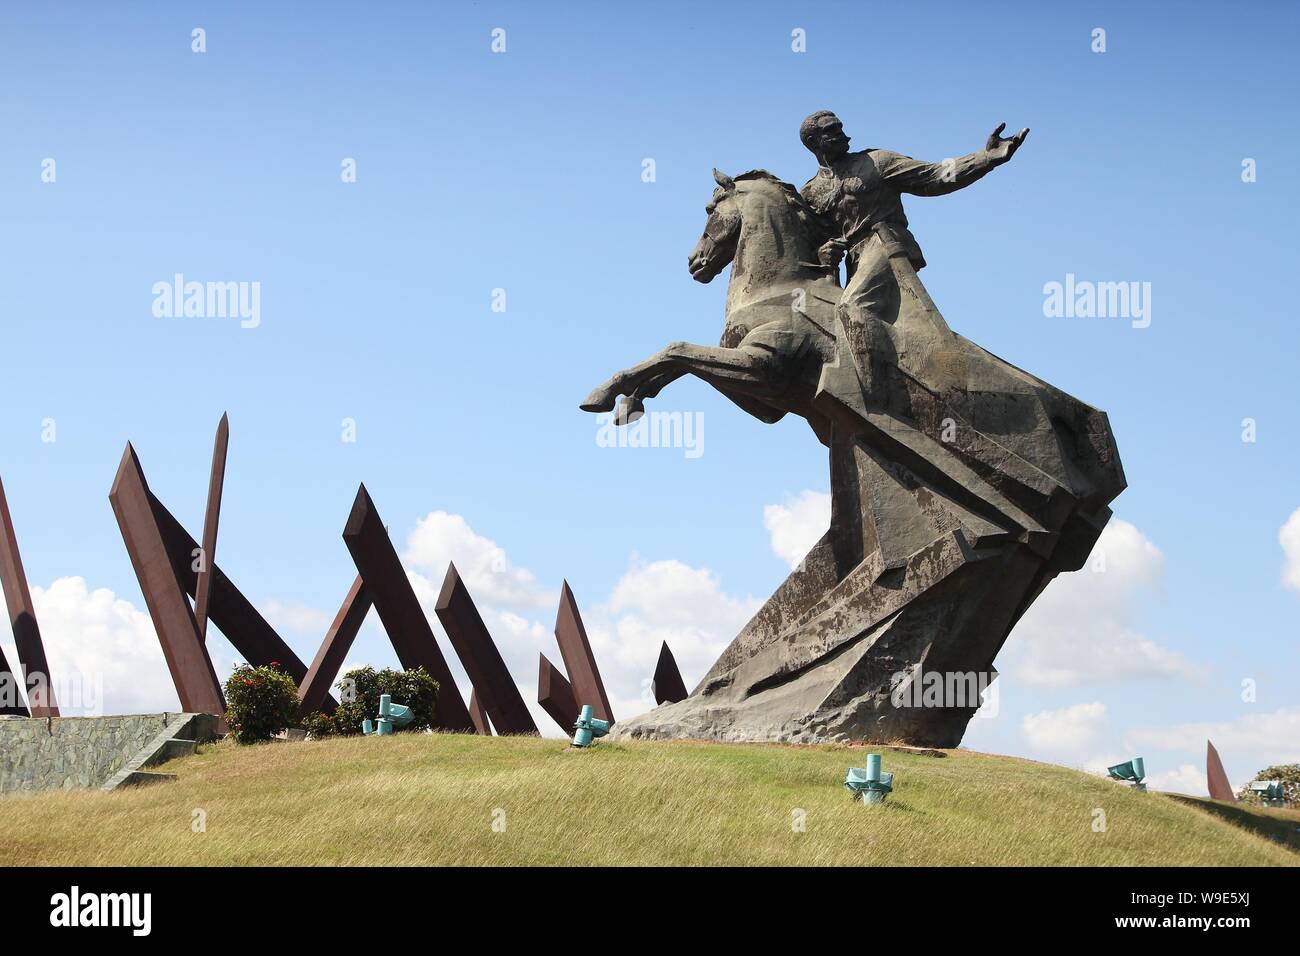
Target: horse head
(783, 233)
(717, 245)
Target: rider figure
(859, 193)
(859, 199)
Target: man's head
(823, 133)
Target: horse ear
(723, 180)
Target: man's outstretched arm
(909, 175)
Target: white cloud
(1084, 626)
(661, 601)
(440, 538)
(99, 644)
(1272, 737)
(798, 524)
(1289, 537)
(1066, 732)
(297, 617)
(1186, 779)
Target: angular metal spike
(22, 618)
(478, 654)
(1220, 788)
(11, 698)
(313, 692)
(555, 695)
(173, 620)
(211, 518)
(579, 662)
(399, 609)
(667, 685)
(477, 713)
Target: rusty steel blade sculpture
(151, 532)
(579, 661)
(478, 714)
(667, 685)
(479, 656)
(211, 518)
(313, 691)
(242, 624)
(555, 695)
(399, 609)
(1216, 778)
(35, 676)
(173, 620)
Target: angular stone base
(919, 579)
(866, 687)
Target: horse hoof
(629, 410)
(600, 400)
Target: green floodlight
(587, 727)
(869, 783)
(1270, 791)
(1133, 772)
(391, 716)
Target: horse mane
(802, 211)
(791, 193)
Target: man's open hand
(1003, 149)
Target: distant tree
(1289, 774)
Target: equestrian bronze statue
(960, 484)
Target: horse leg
(749, 376)
(635, 406)
(651, 387)
(750, 367)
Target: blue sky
(522, 171)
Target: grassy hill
(430, 799)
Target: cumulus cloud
(1289, 537)
(657, 601)
(1066, 732)
(1184, 779)
(1084, 626)
(796, 525)
(296, 617)
(440, 538)
(103, 654)
(1271, 737)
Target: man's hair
(808, 128)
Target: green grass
(430, 799)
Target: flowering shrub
(1288, 774)
(260, 702)
(359, 692)
(319, 725)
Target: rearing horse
(960, 486)
(780, 321)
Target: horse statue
(960, 486)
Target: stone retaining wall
(60, 753)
